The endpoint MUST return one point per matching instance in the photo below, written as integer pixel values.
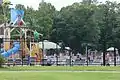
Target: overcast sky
(57, 3)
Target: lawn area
(58, 76)
(49, 73)
(60, 68)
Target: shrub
(1, 60)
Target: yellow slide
(7, 45)
(25, 48)
(36, 52)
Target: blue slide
(14, 50)
(2, 50)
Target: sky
(57, 3)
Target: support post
(0, 44)
(70, 57)
(57, 54)
(114, 56)
(87, 54)
(104, 54)
(42, 51)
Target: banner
(16, 14)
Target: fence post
(56, 60)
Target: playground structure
(18, 39)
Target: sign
(16, 15)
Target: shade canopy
(67, 48)
(111, 49)
(48, 45)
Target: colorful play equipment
(36, 51)
(36, 35)
(18, 39)
(14, 50)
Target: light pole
(86, 50)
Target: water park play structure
(18, 41)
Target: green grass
(58, 76)
(8, 74)
(60, 68)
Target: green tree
(4, 12)
(44, 17)
(106, 20)
(1, 61)
(20, 7)
(75, 25)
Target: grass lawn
(60, 68)
(17, 73)
(58, 76)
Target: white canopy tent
(67, 48)
(112, 49)
(48, 45)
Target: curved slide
(2, 50)
(14, 50)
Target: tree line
(87, 23)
